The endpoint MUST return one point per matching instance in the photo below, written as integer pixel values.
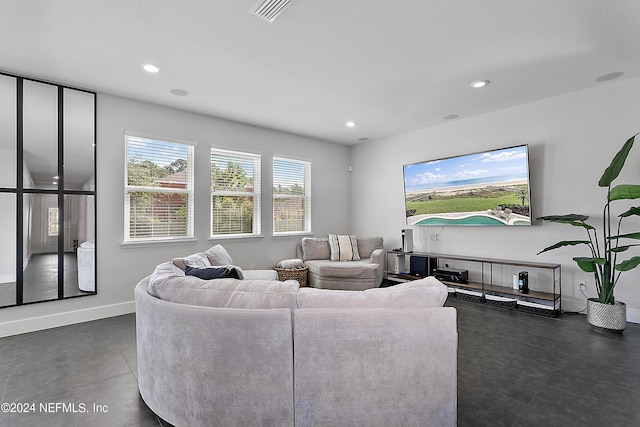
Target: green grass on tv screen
(472, 201)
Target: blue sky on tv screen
(507, 164)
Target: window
(53, 222)
(291, 196)
(158, 189)
(235, 194)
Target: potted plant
(606, 246)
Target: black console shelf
(543, 299)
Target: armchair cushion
(367, 247)
(353, 269)
(315, 248)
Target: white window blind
(53, 222)
(158, 189)
(291, 196)
(235, 193)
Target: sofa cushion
(315, 248)
(366, 246)
(218, 255)
(229, 293)
(427, 292)
(195, 260)
(209, 273)
(336, 269)
(343, 247)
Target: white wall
(572, 139)
(120, 268)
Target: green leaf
(588, 265)
(624, 192)
(626, 236)
(616, 165)
(571, 219)
(564, 218)
(632, 211)
(629, 264)
(565, 243)
(622, 248)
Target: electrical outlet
(583, 287)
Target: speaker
(407, 240)
(419, 266)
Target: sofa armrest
(376, 256)
(260, 274)
(363, 358)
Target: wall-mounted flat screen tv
(486, 188)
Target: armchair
(356, 275)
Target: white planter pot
(611, 317)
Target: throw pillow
(218, 255)
(209, 273)
(343, 248)
(315, 248)
(195, 260)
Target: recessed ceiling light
(179, 92)
(56, 177)
(610, 76)
(351, 124)
(451, 117)
(479, 83)
(151, 68)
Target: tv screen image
(485, 188)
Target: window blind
(291, 196)
(235, 193)
(158, 189)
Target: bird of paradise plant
(603, 262)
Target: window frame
(306, 164)
(256, 194)
(189, 190)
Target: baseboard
(32, 324)
(633, 315)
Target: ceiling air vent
(269, 10)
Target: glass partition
(79, 142)
(8, 249)
(40, 135)
(8, 136)
(47, 191)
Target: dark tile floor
(40, 280)
(518, 369)
(514, 369)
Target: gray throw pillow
(218, 255)
(315, 248)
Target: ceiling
(389, 66)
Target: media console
(486, 280)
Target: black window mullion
(61, 231)
(19, 192)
